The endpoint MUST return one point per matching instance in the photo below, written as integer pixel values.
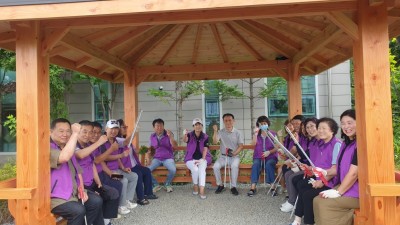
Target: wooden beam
(374, 113)
(197, 43)
(131, 105)
(213, 67)
(125, 37)
(243, 42)
(86, 48)
(173, 45)
(271, 43)
(58, 50)
(395, 12)
(327, 35)
(380, 190)
(277, 24)
(394, 29)
(69, 64)
(375, 2)
(33, 116)
(218, 40)
(82, 61)
(16, 193)
(136, 16)
(294, 91)
(9, 183)
(51, 39)
(151, 44)
(8, 36)
(305, 23)
(344, 23)
(101, 33)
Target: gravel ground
(181, 207)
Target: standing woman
(336, 206)
(264, 153)
(197, 156)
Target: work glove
(331, 193)
(317, 171)
(266, 154)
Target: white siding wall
(81, 106)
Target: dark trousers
(106, 180)
(74, 212)
(110, 200)
(144, 184)
(304, 206)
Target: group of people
(104, 172)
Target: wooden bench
(183, 173)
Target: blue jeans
(169, 164)
(269, 170)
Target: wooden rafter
(395, 12)
(311, 24)
(69, 64)
(138, 42)
(197, 43)
(276, 35)
(58, 50)
(173, 45)
(271, 43)
(202, 16)
(151, 44)
(344, 23)
(52, 38)
(115, 43)
(101, 34)
(394, 29)
(212, 67)
(217, 38)
(326, 36)
(8, 36)
(86, 48)
(102, 69)
(339, 50)
(243, 42)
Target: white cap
(112, 123)
(197, 120)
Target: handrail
(9, 183)
(9, 190)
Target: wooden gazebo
(143, 41)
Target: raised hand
(266, 154)
(76, 128)
(103, 139)
(215, 127)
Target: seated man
(66, 176)
(163, 142)
(90, 176)
(230, 147)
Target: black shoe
(150, 197)
(234, 191)
(219, 189)
(251, 192)
(143, 202)
(274, 193)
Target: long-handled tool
(134, 130)
(81, 195)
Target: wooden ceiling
(222, 43)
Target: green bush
(396, 141)
(9, 170)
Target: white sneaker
(285, 203)
(130, 205)
(169, 188)
(156, 188)
(123, 210)
(287, 208)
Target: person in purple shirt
(265, 154)
(197, 156)
(163, 142)
(336, 206)
(90, 175)
(324, 157)
(66, 177)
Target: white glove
(185, 131)
(320, 170)
(295, 168)
(266, 154)
(331, 193)
(255, 131)
(312, 181)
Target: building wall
(334, 92)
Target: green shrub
(9, 170)
(396, 141)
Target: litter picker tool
(81, 195)
(287, 152)
(226, 163)
(134, 130)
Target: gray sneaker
(169, 188)
(156, 188)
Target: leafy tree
(7, 63)
(394, 58)
(183, 91)
(60, 85)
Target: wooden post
(33, 116)
(294, 91)
(374, 114)
(131, 104)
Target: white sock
(106, 221)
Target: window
(212, 108)
(7, 141)
(278, 102)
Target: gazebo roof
(202, 44)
